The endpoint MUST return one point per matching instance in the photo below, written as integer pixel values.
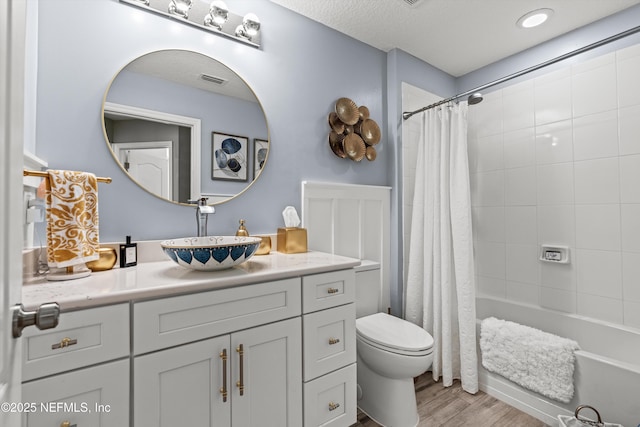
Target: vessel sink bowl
(210, 253)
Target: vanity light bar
(194, 13)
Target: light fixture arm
(207, 17)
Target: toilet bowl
(390, 352)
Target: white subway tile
(557, 225)
(632, 314)
(598, 227)
(597, 181)
(519, 148)
(520, 186)
(560, 276)
(593, 86)
(487, 189)
(630, 178)
(631, 276)
(552, 95)
(523, 292)
(489, 152)
(490, 259)
(557, 299)
(522, 264)
(629, 128)
(600, 273)
(520, 224)
(631, 228)
(488, 115)
(598, 307)
(490, 286)
(517, 106)
(555, 184)
(628, 66)
(554, 143)
(595, 136)
(489, 224)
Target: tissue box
(292, 240)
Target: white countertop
(165, 278)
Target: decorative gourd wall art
(353, 133)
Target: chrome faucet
(202, 214)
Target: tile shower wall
(556, 160)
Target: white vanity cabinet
(272, 345)
(59, 387)
(220, 358)
(329, 350)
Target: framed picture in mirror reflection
(260, 150)
(230, 159)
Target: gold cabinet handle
(240, 383)
(66, 342)
(333, 290)
(333, 406)
(223, 390)
(333, 341)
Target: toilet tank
(368, 288)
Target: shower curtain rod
(408, 114)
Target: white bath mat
(536, 360)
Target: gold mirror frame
(234, 80)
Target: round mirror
(184, 126)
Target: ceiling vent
(213, 79)
(412, 3)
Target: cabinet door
(97, 396)
(183, 386)
(267, 372)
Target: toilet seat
(393, 334)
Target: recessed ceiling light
(534, 18)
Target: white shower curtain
(440, 294)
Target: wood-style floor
(453, 407)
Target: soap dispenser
(242, 230)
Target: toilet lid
(391, 331)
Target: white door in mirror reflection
(149, 163)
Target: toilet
(390, 353)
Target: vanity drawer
(330, 401)
(94, 396)
(329, 340)
(81, 338)
(327, 290)
(173, 321)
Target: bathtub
(607, 374)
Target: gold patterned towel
(72, 218)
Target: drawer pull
(66, 342)
(240, 383)
(333, 406)
(223, 390)
(333, 341)
(67, 424)
(333, 290)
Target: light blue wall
(298, 74)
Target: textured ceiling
(185, 67)
(456, 36)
